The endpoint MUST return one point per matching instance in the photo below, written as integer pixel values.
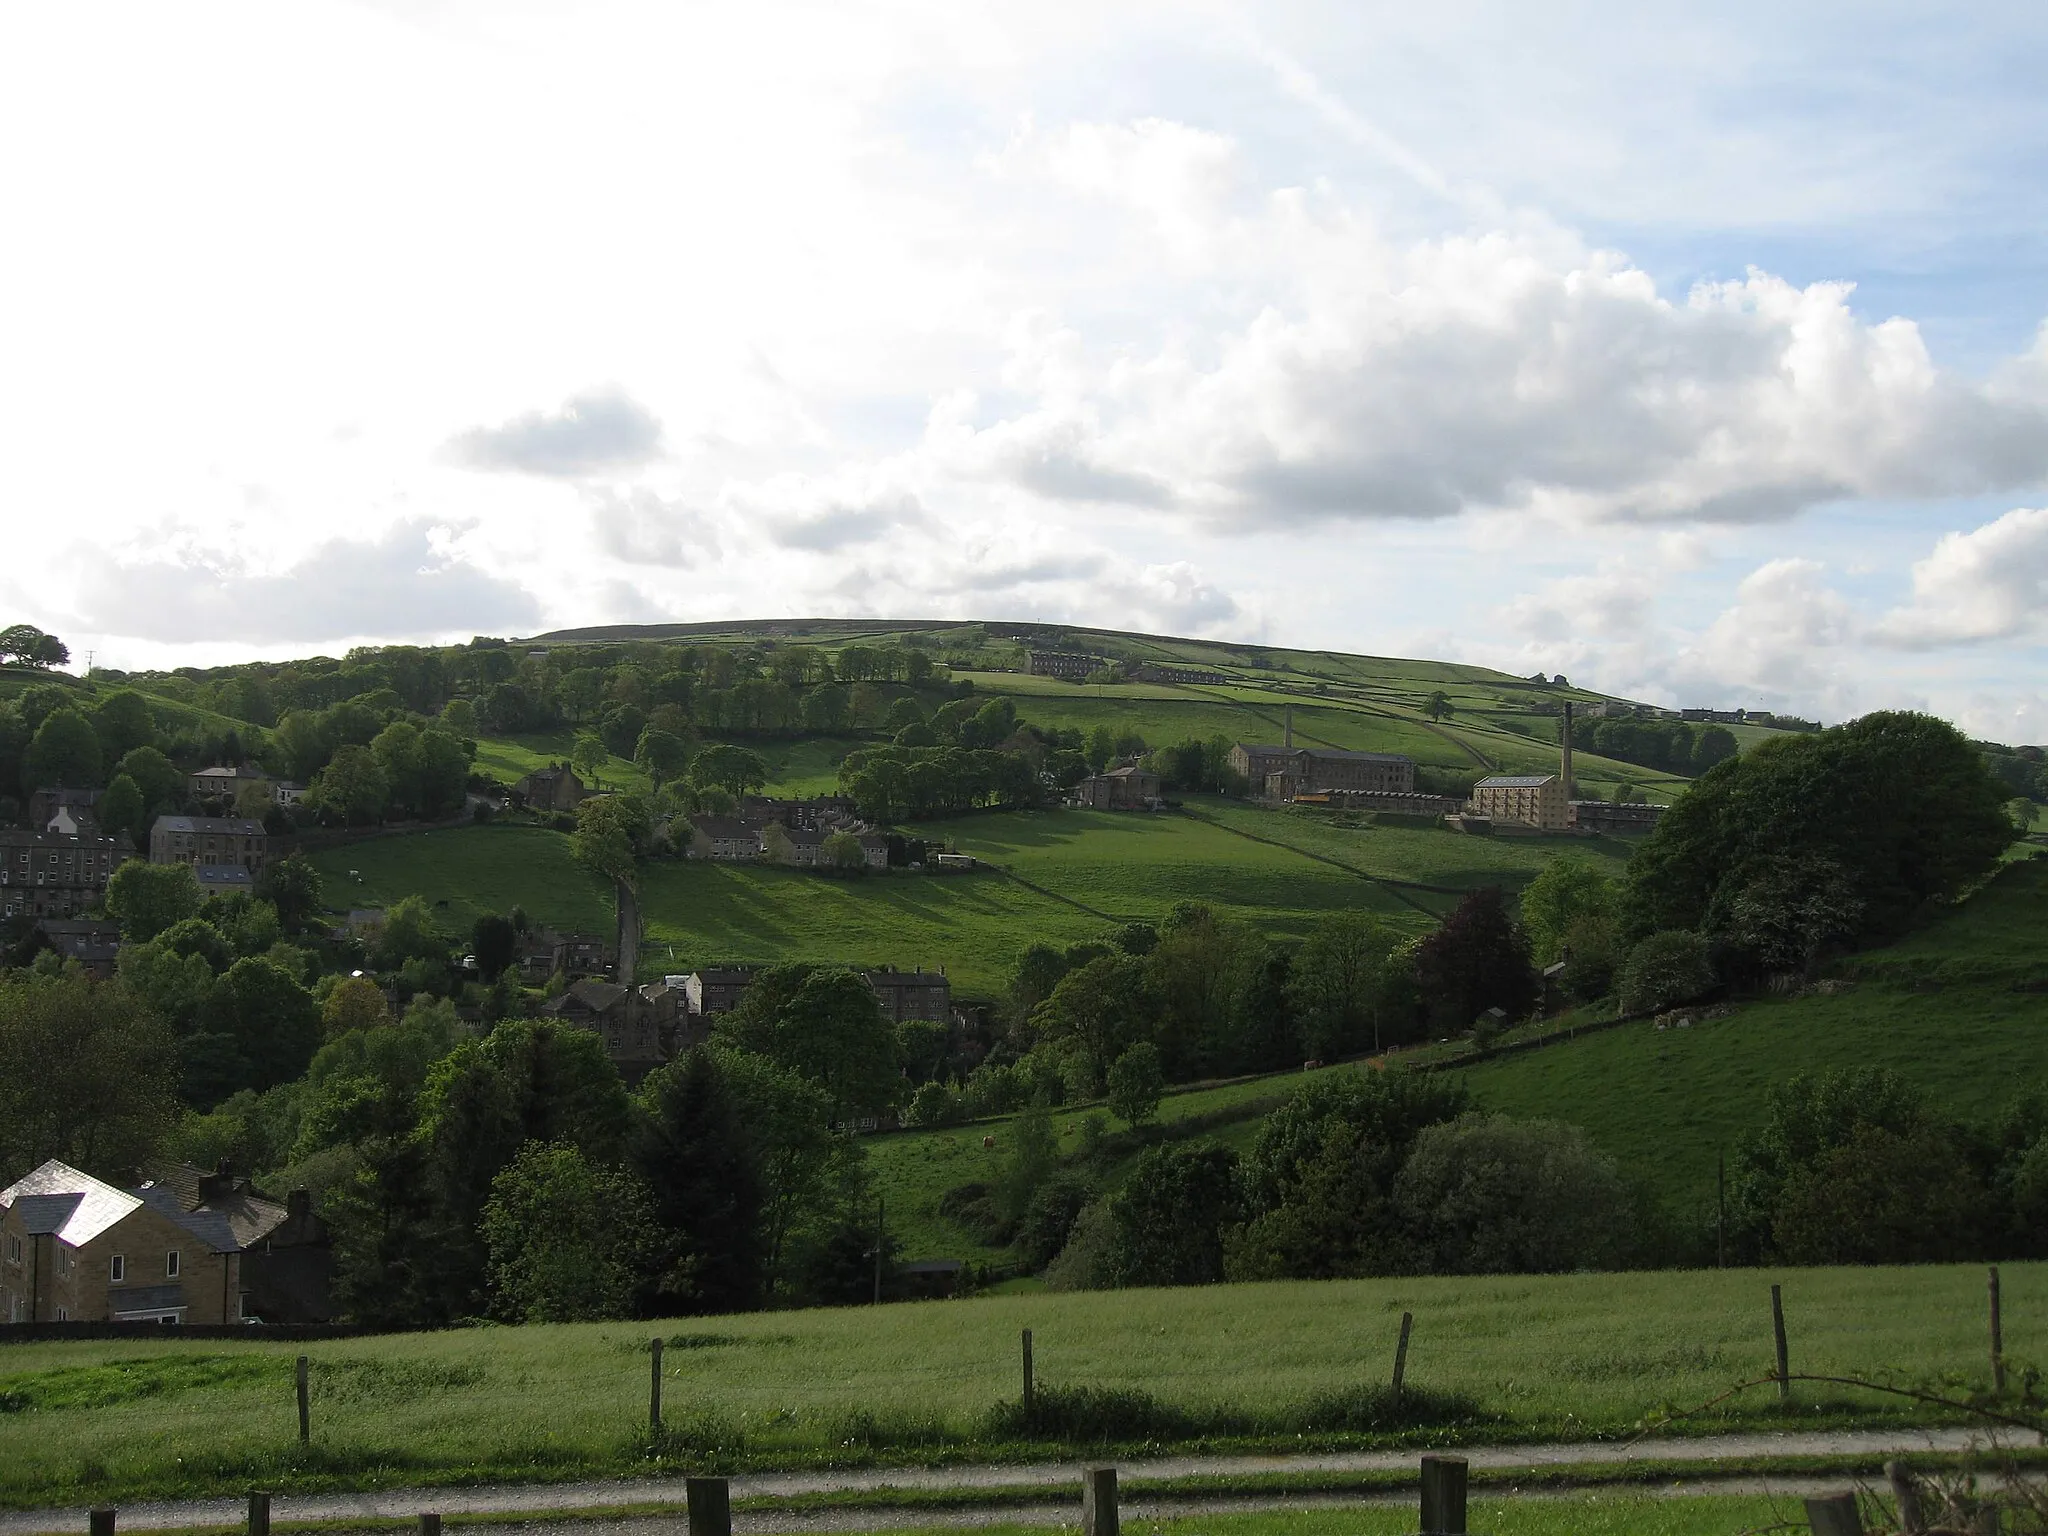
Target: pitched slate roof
(1517, 781)
(240, 826)
(210, 1227)
(93, 1206)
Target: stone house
(45, 805)
(631, 1021)
(201, 840)
(93, 943)
(1069, 666)
(915, 994)
(542, 952)
(1129, 788)
(54, 874)
(553, 788)
(224, 781)
(1608, 816)
(1527, 800)
(287, 1253)
(724, 837)
(717, 990)
(75, 1249)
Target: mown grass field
(1575, 1356)
(1624, 1512)
(1078, 872)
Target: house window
(117, 1269)
(63, 1314)
(171, 1265)
(63, 1260)
(13, 1249)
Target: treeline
(1672, 746)
(1393, 1173)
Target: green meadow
(1491, 1359)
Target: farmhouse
(542, 952)
(73, 1249)
(94, 943)
(1527, 800)
(918, 994)
(553, 788)
(1129, 788)
(224, 781)
(1284, 772)
(203, 840)
(628, 1020)
(53, 874)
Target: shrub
(1664, 970)
(1490, 1195)
(934, 1104)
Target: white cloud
(1988, 584)
(602, 429)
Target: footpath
(625, 1507)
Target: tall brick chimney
(1565, 739)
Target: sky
(1695, 352)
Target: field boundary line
(1051, 895)
(1395, 886)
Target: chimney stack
(1289, 738)
(1565, 738)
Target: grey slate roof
(41, 1214)
(239, 826)
(1516, 781)
(210, 1227)
(97, 1206)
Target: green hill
(1960, 1008)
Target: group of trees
(1370, 1173)
(23, 645)
(1670, 745)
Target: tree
(1489, 1195)
(1901, 803)
(826, 1024)
(161, 781)
(1437, 705)
(662, 754)
(355, 1004)
(1886, 1196)
(1100, 1009)
(786, 1120)
(23, 645)
(495, 943)
(1170, 1216)
(610, 830)
(692, 1154)
(589, 756)
(145, 899)
(410, 933)
(1664, 970)
(733, 769)
(87, 1074)
(459, 716)
(1136, 1084)
(843, 852)
(568, 1240)
(1478, 959)
(1568, 896)
(353, 786)
(1337, 984)
(271, 1021)
(124, 722)
(64, 750)
(292, 885)
(120, 808)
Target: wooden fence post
(1997, 1337)
(1784, 1358)
(1401, 1355)
(1443, 1495)
(654, 1392)
(305, 1404)
(101, 1521)
(1835, 1515)
(1906, 1493)
(259, 1513)
(430, 1523)
(1988, 1521)
(709, 1502)
(1030, 1385)
(1098, 1501)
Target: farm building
(1129, 788)
(1284, 772)
(553, 788)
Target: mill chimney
(1288, 737)
(1565, 738)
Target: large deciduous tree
(87, 1074)
(1478, 959)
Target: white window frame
(63, 1314)
(117, 1269)
(13, 1248)
(171, 1264)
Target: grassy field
(1506, 1358)
(1941, 1008)
(1612, 1513)
(1077, 872)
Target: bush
(1664, 970)
(934, 1104)
(1049, 1218)
(1490, 1195)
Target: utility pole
(1720, 1210)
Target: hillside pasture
(1571, 1356)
